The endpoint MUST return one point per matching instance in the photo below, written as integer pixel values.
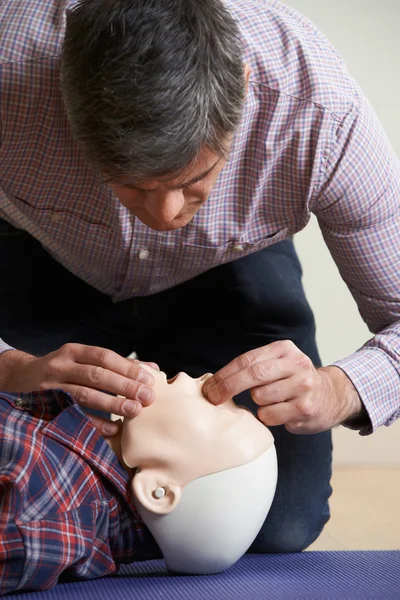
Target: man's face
(170, 203)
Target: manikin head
(204, 476)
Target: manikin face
(182, 436)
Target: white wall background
(367, 35)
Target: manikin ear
(154, 493)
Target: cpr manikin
(204, 476)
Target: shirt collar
(65, 422)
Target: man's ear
(247, 72)
(153, 491)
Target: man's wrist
(11, 361)
(351, 411)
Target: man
(156, 159)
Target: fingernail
(110, 429)
(145, 377)
(143, 394)
(129, 408)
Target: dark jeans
(235, 307)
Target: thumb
(210, 391)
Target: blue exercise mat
(347, 575)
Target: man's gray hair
(147, 84)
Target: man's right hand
(94, 377)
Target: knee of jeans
(288, 536)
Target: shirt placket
(143, 260)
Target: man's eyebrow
(184, 183)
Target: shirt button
(19, 403)
(56, 217)
(143, 253)
(238, 248)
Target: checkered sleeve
(357, 206)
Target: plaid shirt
(65, 504)
(308, 142)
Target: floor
(365, 511)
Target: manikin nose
(179, 375)
(182, 375)
(164, 206)
(198, 380)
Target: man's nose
(164, 205)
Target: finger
(243, 361)
(98, 400)
(103, 357)
(252, 376)
(277, 414)
(150, 364)
(275, 392)
(269, 353)
(92, 366)
(103, 379)
(304, 427)
(297, 415)
(106, 428)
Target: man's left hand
(288, 389)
